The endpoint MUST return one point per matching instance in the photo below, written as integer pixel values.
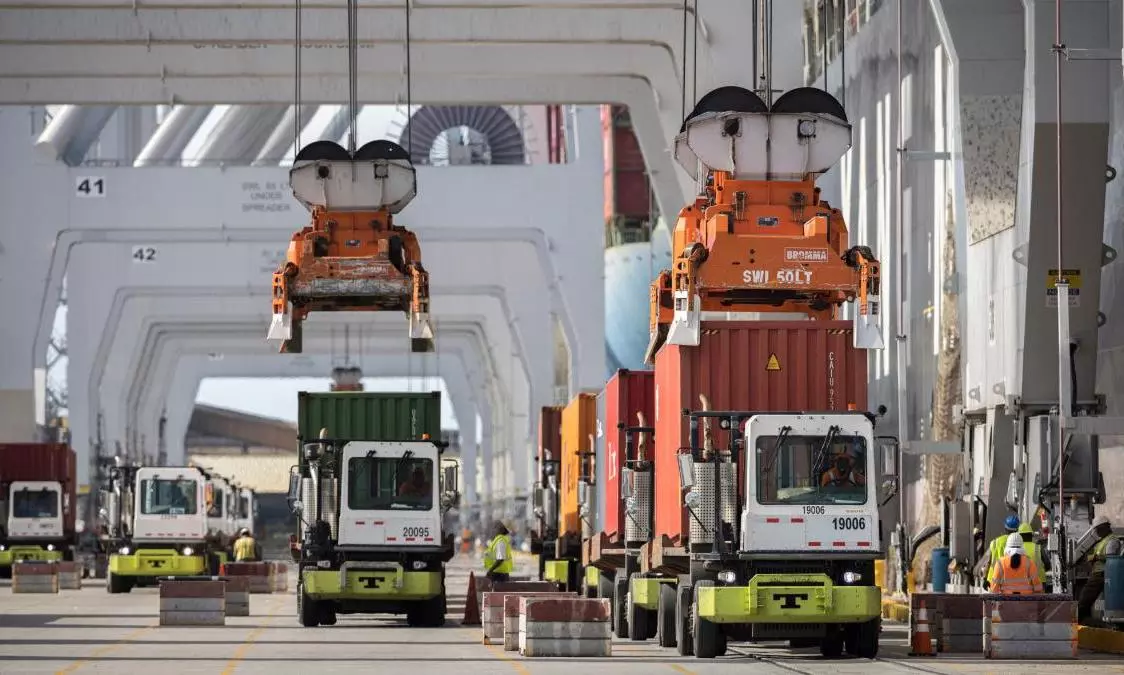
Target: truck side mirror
(889, 456)
(686, 470)
(450, 477)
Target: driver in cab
(416, 486)
(843, 471)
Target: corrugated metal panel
(579, 422)
(815, 368)
(626, 393)
(550, 431)
(369, 415)
(42, 461)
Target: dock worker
(498, 563)
(1033, 550)
(995, 550)
(843, 472)
(1107, 544)
(246, 547)
(1015, 573)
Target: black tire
(327, 614)
(707, 635)
(665, 616)
(307, 608)
(6, 572)
(803, 643)
(637, 619)
(115, 583)
(620, 608)
(428, 613)
(862, 639)
(684, 642)
(605, 586)
(831, 646)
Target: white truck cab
(170, 505)
(35, 510)
(390, 495)
(809, 486)
(246, 509)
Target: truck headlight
(187, 550)
(50, 547)
(124, 550)
(852, 577)
(419, 564)
(727, 576)
(3, 547)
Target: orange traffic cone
(471, 605)
(921, 644)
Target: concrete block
(70, 575)
(193, 602)
(1020, 650)
(1031, 609)
(565, 609)
(35, 577)
(565, 630)
(547, 647)
(1065, 632)
(511, 633)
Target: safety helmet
(245, 532)
(1014, 544)
(1025, 529)
(1012, 523)
(1101, 520)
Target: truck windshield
(214, 510)
(35, 504)
(173, 497)
(384, 483)
(799, 472)
(243, 508)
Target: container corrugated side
(369, 416)
(550, 432)
(626, 393)
(579, 422)
(761, 366)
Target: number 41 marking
(90, 186)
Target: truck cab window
(35, 504)
(800, 471)
(215, 509)
(389, 483)
(172, 497)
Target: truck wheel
(115, 583)
(307, 610)
(637, 619)
(862, 638)
(427, 614)
(5, 572)
(327, 614)
(684, 642)
(831, 646)
(620, 608)
(706, 634)
(604, 587)
(665, 617)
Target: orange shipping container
(579, 423)
(765, 366)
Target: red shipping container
(42, 462)
(626, 393)
(766, 366)
(550, 438)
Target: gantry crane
(352, 257)
(758, 238)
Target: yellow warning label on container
(1072, 277)
(773, 363)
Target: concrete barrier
(493, 616)
(237, 596)
(35, 577)
(564, 627)
(955, 621)
(187, 601)
(258, 574)
(486, 585)
(70, 575)
(279, 577)
(1030, 627)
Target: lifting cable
(352, 74)
(683, 77)
(297, 79)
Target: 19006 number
(415, 531)
(849, 523)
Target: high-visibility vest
(1011, 581)
(507, 565)
(1097, 556)
(997, 547)
(244, 549)
(1035, 554)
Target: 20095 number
(849, 523)
(415, 531)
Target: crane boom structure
(352, 257)
(759, 238)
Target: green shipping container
(369, 416)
